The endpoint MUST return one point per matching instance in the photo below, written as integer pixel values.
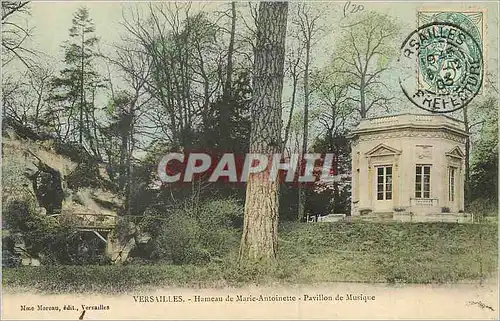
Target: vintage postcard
(249, 160)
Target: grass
(392, 252)
(308, 253)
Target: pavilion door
(383, 188)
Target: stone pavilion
(409, 167)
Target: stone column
(370, 183)
(356, 174)
(395, 182)
(444, 199)
(355, 178)
(460, 188)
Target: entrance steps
(411, 217)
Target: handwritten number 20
(350, 8)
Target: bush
(51, 240)
(484, 207)
(288, 203)
(9, 256)
(178, 238)
(21, 216)
(197, 235)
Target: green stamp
(444, 65)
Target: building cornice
(406, 132)
(409, 122)
(456, 131)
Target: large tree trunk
(260, 226)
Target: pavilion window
(423, 181)
(384, 183)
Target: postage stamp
(450, 66)
(249, 160)
(471, 20)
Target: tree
(333, 113)
(14, 35)
(225, 105)
(77, 84)
(483, 168)
(14, 49)
(260, 225)
(198, 88)
(327, 196)
(475, 117)
(364, 53)
(294, 72)
(185, 67)
(306, 22)
(25, 101)
(126, 110)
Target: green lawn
(308, 253)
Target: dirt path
(454, 301)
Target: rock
(143, 238)
(42, 210)
(83, 197)
(117, 252)
(121, 243)
(43, 169)
(30, 262)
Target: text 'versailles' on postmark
(441, 67)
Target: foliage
(21, 216)
(9, 256)
(195, 234)
(482, 208)
(334, 110)
(231, 135)
(86, 174)
(46, 238)
(335, 196)
(484, 164)
(288, 203)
